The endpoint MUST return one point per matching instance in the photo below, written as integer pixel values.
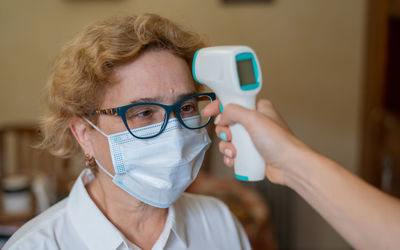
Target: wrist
(301, 161)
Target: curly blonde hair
(85, 66)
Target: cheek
(102, 152)
(110, 124)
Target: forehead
(156, 74)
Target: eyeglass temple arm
(111, 111)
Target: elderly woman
(123, 93)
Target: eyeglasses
(138, 115)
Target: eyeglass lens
(147, 114)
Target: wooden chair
(20, 156)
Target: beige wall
(310, 52)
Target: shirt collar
(98, 232)
(92, 226)
(178, 222)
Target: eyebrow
(154, 99)
(159, 99)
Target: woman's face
(156, 76)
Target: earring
(90, 162)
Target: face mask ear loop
(101, 132)
(95, 127)
(102, 168)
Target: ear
(80, 130)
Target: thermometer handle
(249, 165)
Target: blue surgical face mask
(156, 171)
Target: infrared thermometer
(234, 74)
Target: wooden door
(380, 142)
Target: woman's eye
(139, 114)
(188, 108)
(144, 113)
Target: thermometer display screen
(246, 72)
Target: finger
(224, 133)
(212, 109)
(229, 161)
(227, 149)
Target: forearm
(366, 217)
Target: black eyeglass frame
(121, 112)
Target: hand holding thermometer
(234, 74)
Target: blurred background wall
(311, 54)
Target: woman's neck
(140, 223)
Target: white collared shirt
(193, 222)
